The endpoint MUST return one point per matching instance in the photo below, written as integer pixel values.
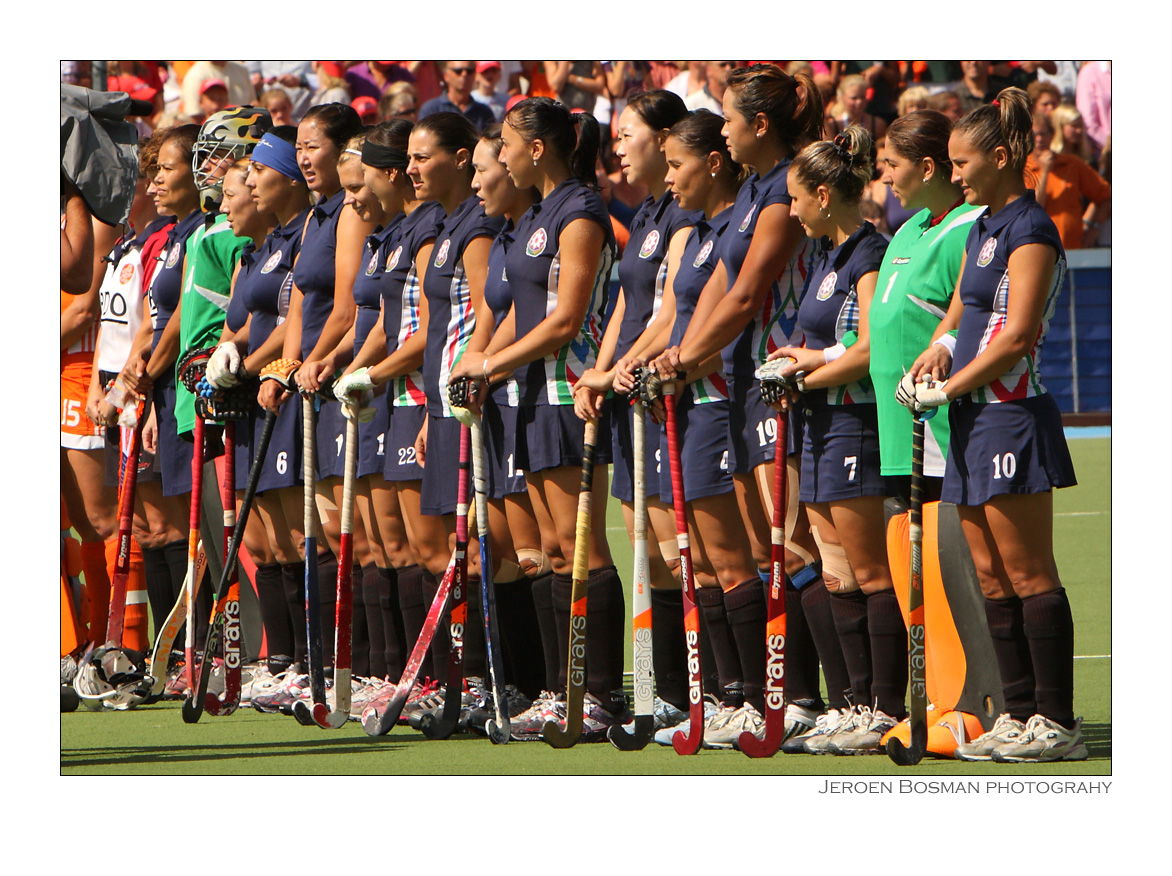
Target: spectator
(234, 75)
(710, 97)
(948, 103)
(662, 72)
(487, 92)
(913, 98)
(276, 101)
(457, 97)
(1044, 96)
(367, 109)
(976, 88)
(1063, 183)
(851, 108)
(213, 97)
(293, 77)
(332, 86)
(578, 84)
(1094, 101)
(399, 102)
(426, 78)
(373, 78)
(1065, 79)
(692, 79)
(1070, 133)
(882, 83)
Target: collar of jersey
(992, 224)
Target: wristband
(832, 353)
(484, 370)
(948, 342)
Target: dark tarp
(99, 150)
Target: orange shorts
(78, 431)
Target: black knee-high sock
(475, 645)
(293, 582)
(390, 609)
(1049, 628)
(727, 662)
(371, 621)
(176, 553)
(275, 616)
(850, 621)
(552, 648)
(1007, 629)
(820, 619)
(441, 643)
(746, 610)
(801, 655)
(888, 653)
(327, 598)
(669, 648)
(605, 636)
(411, 606)
(520, 636)
(560, 591)
(158, 583)
(360, 634)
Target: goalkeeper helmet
(225, 136)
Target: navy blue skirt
(399, 452)
(622, 450)
(704, 450)
(550, 436)
(840, 453)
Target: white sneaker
(724, 731)
(798, 721)
(1042, 742)
(870, 727)
(1005, 730)
(664, 735)
(826, 727)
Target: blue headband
(281, 156)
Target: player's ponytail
(584, 158)
(845, 164)
(1006, 122)
(792, 104)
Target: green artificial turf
(154, 739)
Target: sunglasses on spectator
(462, 71)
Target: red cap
(331, 68)
(211, 83)
(132, 85)
(513, 101)
(481, 66)
(365, 105)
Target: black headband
(382, 156)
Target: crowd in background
(1070, 167)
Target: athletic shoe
(597, 718)
(68, 669)
(528, 725)
(724, 730)
(825, 727)
(1042, 742)
(870, 727)
(799, 720)
(664, 714)
(258, 681)
(370, 690)
(430, 699)
(1005, 730)
(472, 693)
(292, 687)
(664, 735)
(217, 682)
(515, 702)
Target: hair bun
(842, 145)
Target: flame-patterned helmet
(225, 136)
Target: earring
(924, 180)
(714, 174)
(535, 162)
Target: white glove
(223, 365)
(355, 391)
(905, 392)
(930, 396)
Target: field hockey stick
(917, 666)
(344, 614)
(117, 618)
(775, 618)
(192, 547)
(317, 675)
(640, 601)
(565, 737)
(496, 727)
(169, 631)
(382, 713)
(443, 724)
(689, 742)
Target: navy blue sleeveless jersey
(533, 264)
(830, 308)
(371, 277)
(643, 266)
(167, 284)
(451, 318)
(773, 325)
(315, 270)
(500, 300)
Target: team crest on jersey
(748, 217)
(702, 256)
(442, 255)
(173, 256)
(372, 265)
(650, 242)
(393, 261)
(274, 260)
(536, 244)
(827, 287)
(125, 274)
(986, 254)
